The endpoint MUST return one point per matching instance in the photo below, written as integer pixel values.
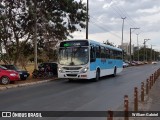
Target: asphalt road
(61, 95)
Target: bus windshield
(73, 55)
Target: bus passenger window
(98, 52)
(92, 54)
(103, 52)
(119, 55)
(107, 53)
(111, 54)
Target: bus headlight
(60, 70)
(84, 70)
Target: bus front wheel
(97, 75)
(115, 72)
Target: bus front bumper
(73, 75)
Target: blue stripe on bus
(105, 64)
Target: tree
(13, 29)
(109, 43)
(55, 19)
(149, 55)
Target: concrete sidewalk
(151, 103)
(154, 95)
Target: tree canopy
(55, 20)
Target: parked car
(154, 62)
(23, 73)
(140, 62)
(125, 64)
(52, 66)
(7, 76)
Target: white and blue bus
(88, 59)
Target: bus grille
(72, 68)
(72, 75)
(72, 71)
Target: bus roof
(97, 43)
(104, 45)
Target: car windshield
(73, 55)
(4, 68)
(12, 67)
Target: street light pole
(35, 36)
(131, 44)
(151, 53)
(154, 55)
(122, 29)
(145, 40)
(87, 20)
(122, 36)
(138, 46)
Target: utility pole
(144, 56)
(87, 20)
(138, 46)
(122, 29)
(152, 58)
(122, 37)
(131, 44)
(154, 55)
(35, 36)
(151, 53)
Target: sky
(106, 22)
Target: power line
(106, 30)
(119, 13)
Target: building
(126, 48)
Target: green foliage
(108, 43)
(146, 55)
(55, 20)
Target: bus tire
(97, 76)
(115, 72)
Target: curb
(25, 84)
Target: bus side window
(92, 54)
(115, 54)
(111, 54)
(103, 52)
(98, 52)
(119, 55)
(107, 53)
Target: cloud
(106, 23)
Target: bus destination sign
(73, 43)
